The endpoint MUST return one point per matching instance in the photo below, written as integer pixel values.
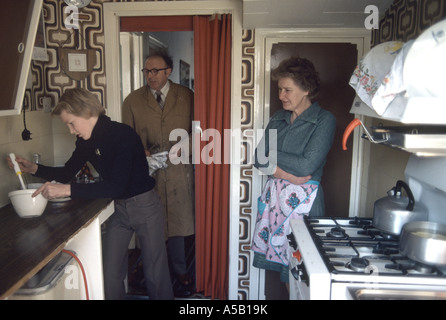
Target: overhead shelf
(416, 110)
(422, 140)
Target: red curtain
(212, 47)
(156, 24)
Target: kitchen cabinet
(27, 245)
(18, 28)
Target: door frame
(112, 14)
(264, 40)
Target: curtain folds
(212, 47)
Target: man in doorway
(154, 110)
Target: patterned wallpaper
(407, 19)
(247, 218)
(49, 79)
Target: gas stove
(355, 246)
(348, 258)
(342, 257)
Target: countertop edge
(47, 258)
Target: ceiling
(309, 13)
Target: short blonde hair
(79, 102)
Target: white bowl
(25, 205)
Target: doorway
(135, 48)
(273, 46)
(334, 62)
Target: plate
(60, 199)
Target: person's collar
(164, 90)
(309, 115)
(100, 126)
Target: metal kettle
(391, 213)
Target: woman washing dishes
(117, 154)
(296, 142)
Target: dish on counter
(60, 199)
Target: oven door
(385, 291)
(313, 276)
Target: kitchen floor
(274, 288)
(136, 283)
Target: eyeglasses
(153, 71)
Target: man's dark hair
(163, 54)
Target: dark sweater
(117, 154)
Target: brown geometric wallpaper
(48, 77)
(407, 19)
(246, 170)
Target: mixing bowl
(25, 205)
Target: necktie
(159, 99)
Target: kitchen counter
(27, 245)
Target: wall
(50, 137)
(46, 140)
(383, 167)
(406, 19)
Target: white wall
(383, 167)
(50, 138)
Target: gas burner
(424, 268)
(372, 233)
(413, 267)
(360, 222)
(389, 236)
(358, 264)
(386, 249)
(337, 232)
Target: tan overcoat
(175, 184)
